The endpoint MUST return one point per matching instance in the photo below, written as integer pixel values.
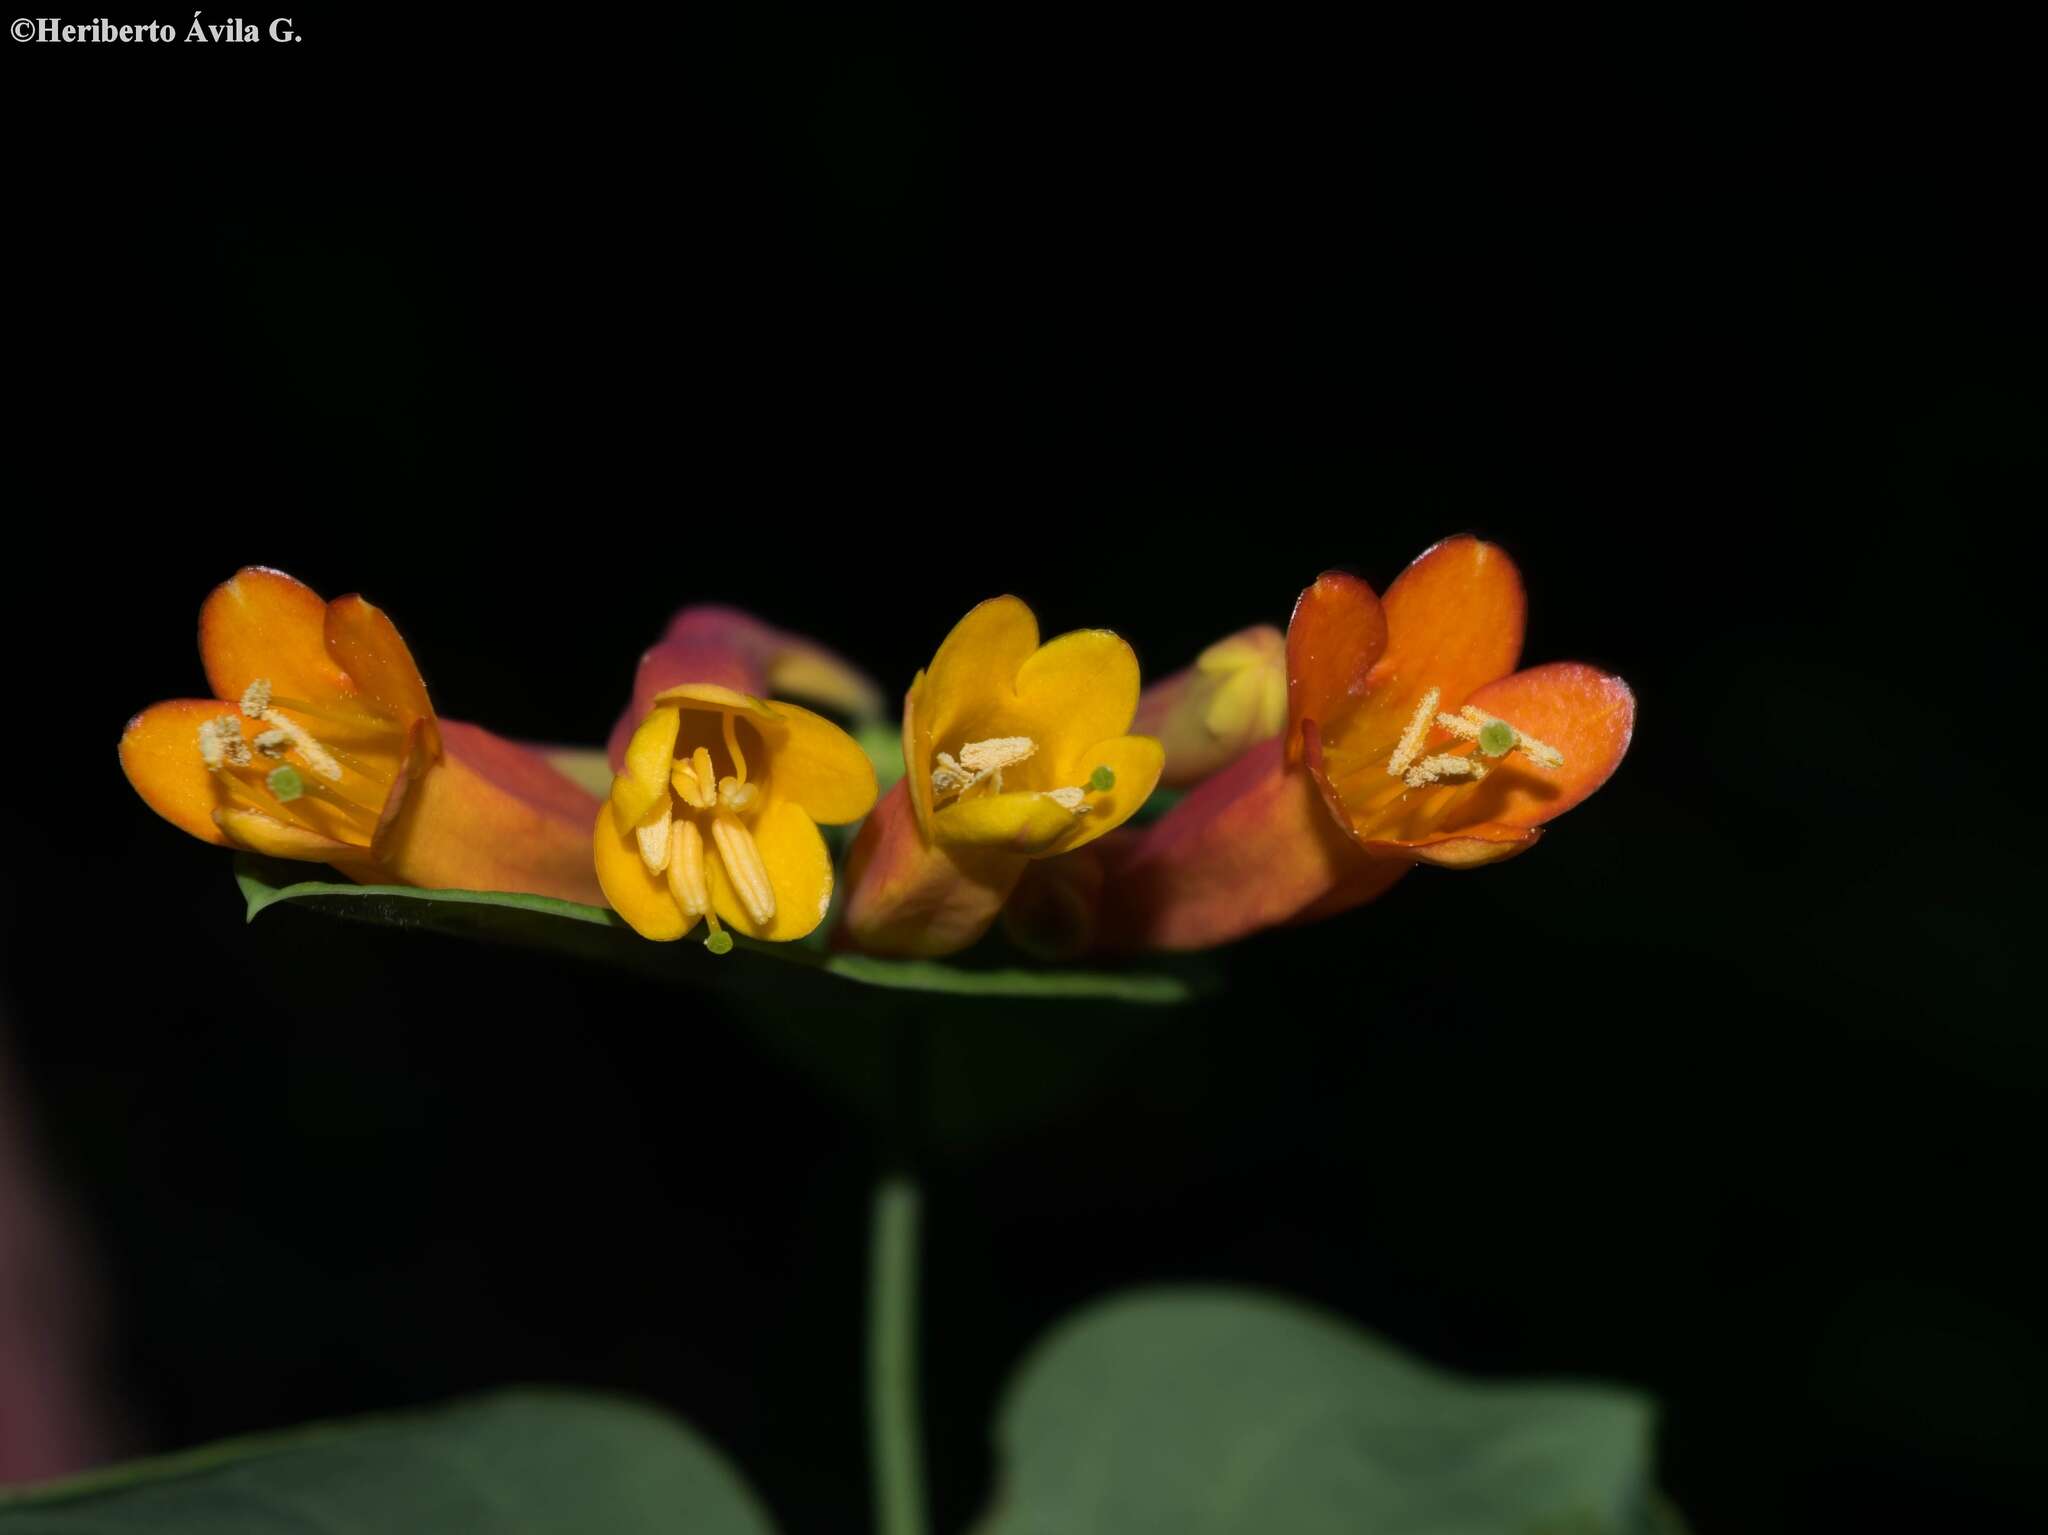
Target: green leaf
(1172, 1410)
(522, 1462)
(597, 933)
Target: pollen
(744, 867)
(1073, 801)
(1444, 765)
(272, 743)
(980, 760)
(220, 742)
(316, 755)
(256, 698)
(1410, 744)
(686, 881)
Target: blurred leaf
(597, 933)
(1172, 1410)
(524, 1462)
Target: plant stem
(895, 1433)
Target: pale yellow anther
(707, 775)
(1460, 725)
(686, 881)
(220, 742)
(980, 760)
(736, 796)
(683, 779)
(1073, 801)
(272, 743)
(655, 838)
(744, 868)
(256, 698)
(1410, 744)
(1444, 765)
(302, 741)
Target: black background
(535, 330)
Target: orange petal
(492, 815)
(908, 896)
(1454, 621)
(363, 642)
(265, 834)
(160, 755)
(1250, 847)
(1337, 633)
(1587, 714)
(262, 623)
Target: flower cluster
(1317, 766)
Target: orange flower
(1410, 738)
(320, 744)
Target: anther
(220, 741)
(256, 698)
(1444, 765)
(744, 868)
(1410, 746)
(272, 743)
(686, 881)
(1073, 801)
(654, 839)
(316, 755)
(979, 760)
(737, 796)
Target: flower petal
(799, 871)
(1079, 687)
(160, 755)
(265, 834)
(1134, 761)
(974, 672)
(815, 764)
(362, 641)
(636, 895)
(1587, 714)
(1337, 634)
(1206, 715)
(1454, 621)
(643, 776)
(1023, 821)
(262, 623)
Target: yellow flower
(1013, 751)
(715, 815)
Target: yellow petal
(281, 839)
(641, 898)
(710, 695)
(799, 871)
(815, 764)
(1079, 687)
(975, 671)
(1019, 822)
(649, 756)
(1137, 762)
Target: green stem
(895, 1435)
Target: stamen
(949, 776)
(256, 698)
(1073, 801)
(1444, 765)
(735, 795)
(316, 755)
(683, 779)
(272, 743)
(686, 881)
(1411, 739)
(655, 841)
(732, 747)
(997, 753)
(220, 741)
(741, 856)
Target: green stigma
(285, 784)
(1496, 738)
(1102, 780)
(719, 942)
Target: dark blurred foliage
(1728, 1090)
